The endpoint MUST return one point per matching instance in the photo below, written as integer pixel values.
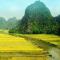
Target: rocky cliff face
(37, 17)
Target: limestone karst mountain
(36, 19)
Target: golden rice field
(10, 43)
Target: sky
(16, 8)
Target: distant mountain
(2, 23)
(11, 23)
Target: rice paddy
(13, 47)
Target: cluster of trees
(46, 26)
